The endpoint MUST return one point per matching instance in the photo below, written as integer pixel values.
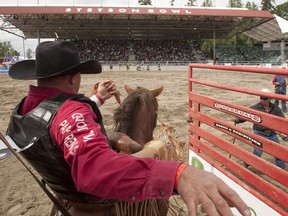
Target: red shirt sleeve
(98, 170)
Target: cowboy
(265, 106)
(280, 83)
(71, 152)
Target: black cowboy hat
(53, 59)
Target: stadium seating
(173, 51)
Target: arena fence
(218, 145)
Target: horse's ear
(157, 92)
(128, 89)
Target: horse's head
(137, 116)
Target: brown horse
(136, 117)
(135, 122)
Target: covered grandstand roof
(74, 22)
(271, 30)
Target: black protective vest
(43, 155)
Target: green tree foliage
(145, 2)
(251, 5)
(206, 45)
(171, 2)
(235, 4)
(191, 3)
(6, 49)
(207, 3)
(267, 5)
(282, 10)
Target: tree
(6, 49)
(207, 3)
(251, 5)
(191, 3)
(235, 4)
(206, 46)
(267, 5)
(145, 2)
(282, 10)
(171, 2)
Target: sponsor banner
(251, 116)
(240, 134)
(257, 207)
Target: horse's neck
(142, 135)
(139, 130)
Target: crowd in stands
(104, 50)
(108, 51)
(163, 50)
(142, 50)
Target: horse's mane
(125, 115)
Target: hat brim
(25, 70)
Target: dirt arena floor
(20, 194)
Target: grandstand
(248, 55)
(145, 31)
(183, 52)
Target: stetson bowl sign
(130, 10)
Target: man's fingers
(215, 204)
(192, 209)
(233, 199)
(110, 85)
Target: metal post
(24, 53)
(283, 56)
(214, 45)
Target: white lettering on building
(135, 10)
(127, 10)
(176, 11)
(122, 10)
(163, 11)
(79, 9)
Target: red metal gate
(213, 135)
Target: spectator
(111, 66)
(280, 83)
(265, 106)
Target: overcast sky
(17, 42)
